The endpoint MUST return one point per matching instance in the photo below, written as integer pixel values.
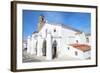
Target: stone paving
(33, 58)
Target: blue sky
(77, 20)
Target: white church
(57, 40)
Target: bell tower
(41, 22)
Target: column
(32, 46)
(49, 47)
(28, 44)
(39, 46)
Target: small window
(54, 30)
(87, 40)
(46, 32)
(76, 41)
(68, 48)
(76, 53)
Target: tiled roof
(82, 47)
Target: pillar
(39, 46)
(32, 46)
(49, 47)
(28, 44)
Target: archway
(44, 48)
(36, 47)
(54, 49)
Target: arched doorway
(44, 48)
(54, 49)
(36, 47)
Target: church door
(44, 48)
(54, 50)
(36, 48)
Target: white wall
(33, 45)
(5, 38)
(80, 54)
(87, 54)
(66, 34)
(29, 45)
(49, 28)
(68, 37)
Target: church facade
(57, 40)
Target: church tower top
(41, 22)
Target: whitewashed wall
(87, 54)
(66, 34)
(29, 44)
(82, 38)
(80, 54)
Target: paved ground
(34, 58)
(30, 58)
